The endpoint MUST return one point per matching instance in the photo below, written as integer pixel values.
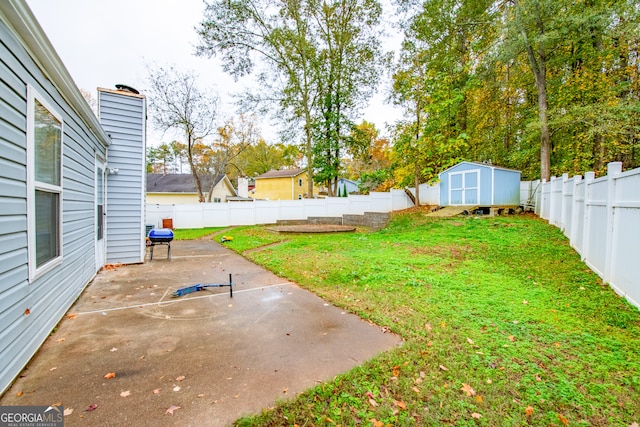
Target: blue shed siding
(30, 310)
(496, 186)
(123, 116)
(506, 187)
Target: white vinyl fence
(201, 215)
(601, 218)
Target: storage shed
(479, 184)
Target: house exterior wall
(282, 188)
(31, 307)
(495, 186)
(123, 116)
(171, 198)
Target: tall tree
(179, 104)
(320, 61)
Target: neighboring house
(180, 188)
(479, 184)
(285, 184)
(351, 186)
(53, 185)
(343, 183)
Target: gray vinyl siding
(30, 310)
(123, 117)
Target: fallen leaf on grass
(68, 411)
(525, 302)
(113, 349)
(476, 415)
(376, 423)
(53, 369)
(373, 403)
(512, 338)
(91, 408)
(467, 389)
(176, 388)
(529, 411)
(489, 381)
(563, 420)
(538, 378)
(110, 375)
(59, 340)
(396, 371)
(286, 389)
(400, 404)
(72, 316)
(634, 425)
(443, 368)
(20, 393)
(470, 341)
(180, 378)
(156, 391)
(172, 409)
(416, 389)
(479, 398)
(125, 393)
(427, 326)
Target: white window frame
(33, 185)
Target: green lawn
(502, 322)
(195, 233)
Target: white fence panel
(577, 227)
(601, 217)
(555, 202)
(596, 225)
(545, 201)
(336, 206)
(266, 212)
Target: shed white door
(464, 188)
(100, 214)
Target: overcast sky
(104, 43)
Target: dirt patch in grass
(312, 228)
(457, 252)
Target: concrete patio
(216, 358)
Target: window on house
(299, 196)
(44, 157)
(217, 200)
(299, 182)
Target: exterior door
(100, 214)
(464, 188)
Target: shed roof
(179, 182)
(283, 173)
(486, 165)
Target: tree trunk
(545, 139)
(196, 178)
(538, 63)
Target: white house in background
(54, 189)
(180, 188)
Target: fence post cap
(614, 167)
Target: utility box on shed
(479, 184)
